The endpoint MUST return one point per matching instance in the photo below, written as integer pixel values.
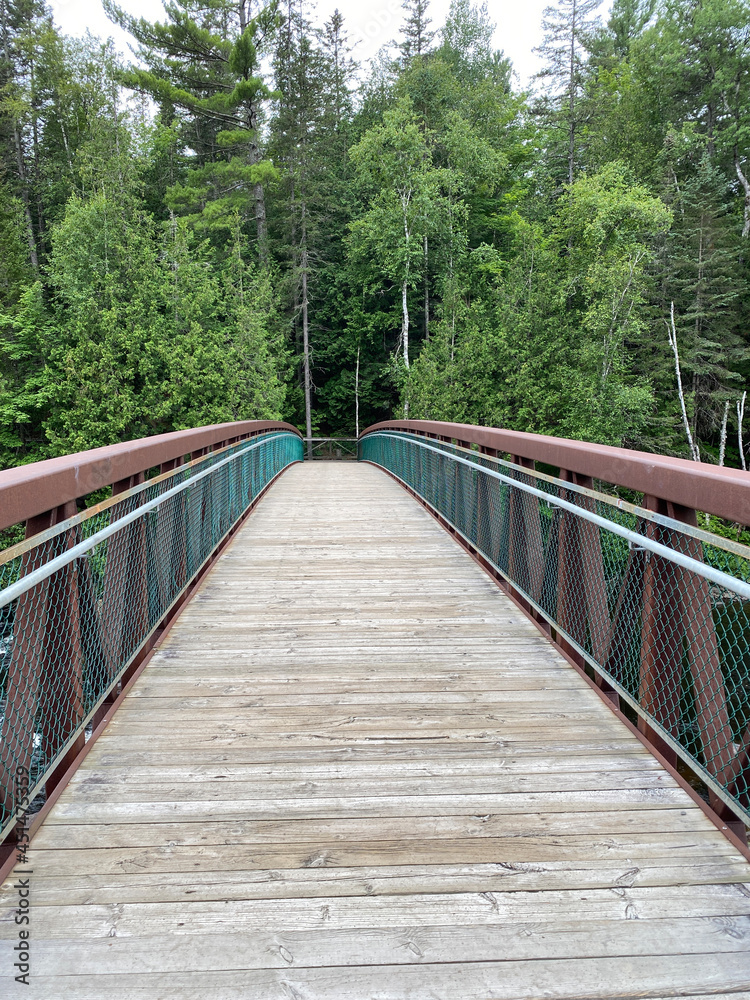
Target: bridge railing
(84, 599)
(656, 607)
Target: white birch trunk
(356, 397)
(306, 335)
(405, 321)
(672, 334)
(723, 442)
(740, 417)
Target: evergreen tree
(415, 30)
(207, 67)
(566, 30)
(701, 276)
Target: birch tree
(402, 190)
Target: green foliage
(237, 221)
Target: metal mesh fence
(658, 607)
(78, 602)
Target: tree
(395, 171)
(626, 23)
(299, 69)
(208, 71)
(467, 46)
(415, 30)
(23, 24)
(701, 278)
(566, 29)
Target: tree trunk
(258, 193)
(426, 294)
(405, 322)
(746, 188)
(672, 334)
(356, 397)
(260, 222)
(571, 98)
(740, 417)
(306, 331)
(20, 165)
(723, 439)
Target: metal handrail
(79, 612)
(37, 576)
(659, 610)
(695, 485)
(642, 541)
(28, 491)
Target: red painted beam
(30, 490)
(721, 491)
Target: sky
(372, 23)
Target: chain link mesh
(673, 643)
(66, 641)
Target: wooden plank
(51, 888)
(627, 850)
(71, 810)
(210, 917)
(585, 979)
(511, 769)
(247, 786)
(547, 701)
(92, 834)
(111, 754)
(372, 946)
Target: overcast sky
(372, 22)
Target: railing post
(37, 644)
(662, 636)
(571, 614)
(62, 686)
(123, 606)
(525, 546)
(593, 576)
(677, 605)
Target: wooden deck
(354, 771)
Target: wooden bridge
(353, 768)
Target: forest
(239, 221)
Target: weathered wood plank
(626, 850)
(51, 888)
(585, 979)
(511, 770)
(378, 807)
(372, 946)
(247, 786)
(455, 909)
(91, 834)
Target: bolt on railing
(658, 608)
(79, 601)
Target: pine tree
(22, 25)
(299, 70)
(204, 66)
(415, 30)
(702, 278)
(566, 29)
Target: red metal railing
(662, 610)
(671, 486)
(44, 493)
(87, 595)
